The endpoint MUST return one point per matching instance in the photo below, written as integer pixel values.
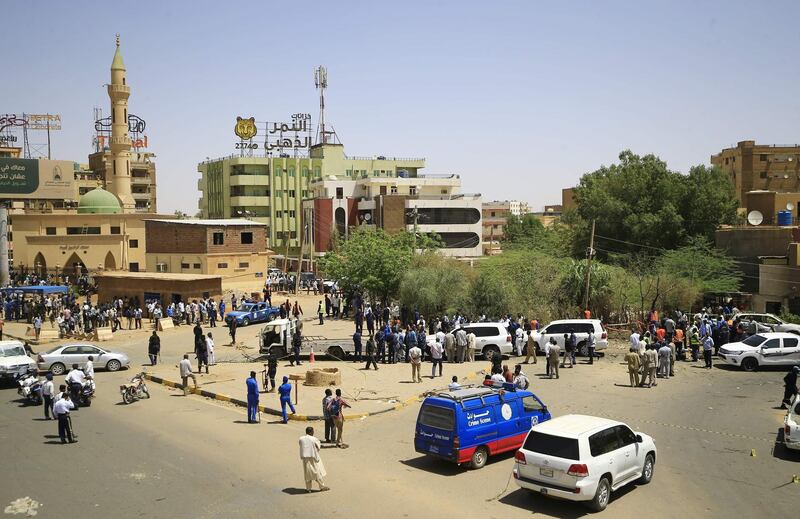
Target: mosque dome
(99, 201)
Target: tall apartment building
(495, 214)
(271, 189)
(754, 167)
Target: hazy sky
(520, 98)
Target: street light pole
(589, 254)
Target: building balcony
(142, 196)
(249, 180)
(119, 89)
(243, 201)
(141, 179)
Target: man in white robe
(313, 469)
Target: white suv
(769, 323)
(490, 338)
(583, 458)
(14, 361)
(763, 349)
(581, 327)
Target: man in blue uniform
(252, 398)
(285, 392)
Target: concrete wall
(109, 288)
(186, 238)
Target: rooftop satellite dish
(789, 206)
(785, 176)
(367, 217)
(755, 218)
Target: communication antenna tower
(321, 83)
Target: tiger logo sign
(245, 129)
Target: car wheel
(583, 349)
(336, 352)
(749, 364)
(490, 351)
(647, 470)
(113, 365)
(479, 458)
(601, 496)
(245, 321)
(57, 369)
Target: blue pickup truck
(252, 313)
(468, 425)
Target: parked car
(763, 349)
(769, 323)
(468, 425)
(583, 458)
(490, 338)
(791, 425)
(59, 359)
(252, 313)
(581, 327)
(14, 361)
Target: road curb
(297, 417)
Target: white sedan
(61, 358)
(763, 349)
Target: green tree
(709, 202)
(527, 232)
(704, 266)
(372, 260)
(435, 284)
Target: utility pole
(589, 254)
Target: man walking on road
(336, 410)
(371, 353)
(186, 373)
(330, 428)
(415, 356)
(297, 341)
(47, 395)
(632, 358)
(154, 348)
(252, 398)
(552, 357)
(232, 330)
(313, 469)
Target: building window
(196, 265)
(317, 172)
(83, 230)
(383, 190)
(244, 265)
(219, 238)
(726, 161)
(305, 172)
(292, 193)
(444, 191)
(247, 237)
(339, 193)
(493, 214)
(291, 214)
(133, 267)
(293, 235)
(161, 267)
(278, 172)
(184, 265)
(133, 244)
(763, 174)
(412, 190)
(278, 193)
(222, 265)
(115, 230)
(394, 190)
(50, 231)
(375, 173)
(291, 172)
(349, 173)
(763, 157)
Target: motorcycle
(135, 390)
(30, 387)
(86, 393)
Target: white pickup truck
(275, 338)
(14, 361)
(763, 349)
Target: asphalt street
(175, 456)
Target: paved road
(179, 457)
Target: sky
(520, 98)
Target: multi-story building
(143, 177)
(495, 215)
(769, 167)
(429, 203)
(271, 189)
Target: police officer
(297, 340)
(61, 410)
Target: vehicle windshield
(438, 417)
(754, 340)
(245, 307)
(550, 445)
(12, 351)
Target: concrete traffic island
(368, 392)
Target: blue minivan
(470, 424)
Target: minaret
(118, 176)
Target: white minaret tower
(118, 176)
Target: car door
(87, 350)
(790, 351)
(532, 413)
(627, 454)
(261, 313)
(603, 446)
(70, 355)
(770, 351)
